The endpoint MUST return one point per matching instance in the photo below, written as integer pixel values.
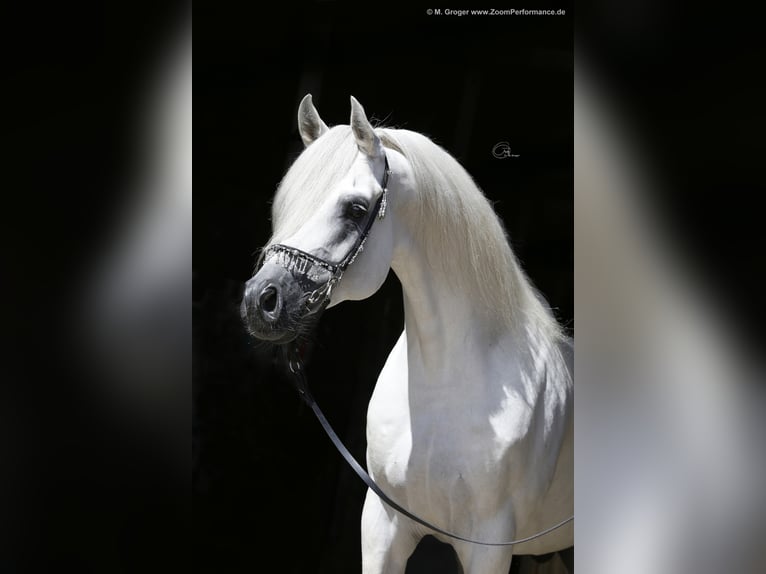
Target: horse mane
(463, 235)
(454, 222)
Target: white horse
(470, 424)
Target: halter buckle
(324, 292)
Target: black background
(266, 481)
(90, 493)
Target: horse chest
(443, 446)
(437, 455)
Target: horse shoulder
(528, 411)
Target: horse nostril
(268, 299)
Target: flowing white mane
(463, 235)
(454, 222)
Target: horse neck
(446, 329)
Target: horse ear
(366, 139)
(310, 125)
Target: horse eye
(356, 211)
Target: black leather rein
(295, 364)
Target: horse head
(330, 206)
